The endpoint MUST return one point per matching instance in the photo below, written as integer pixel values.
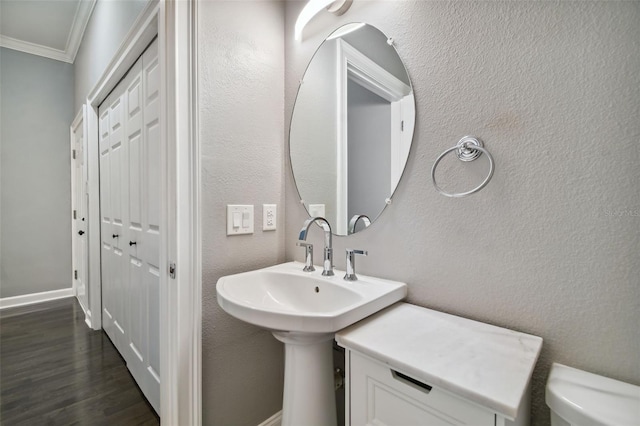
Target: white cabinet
(379, 395)
(411, 366)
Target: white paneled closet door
(143, 138)
(131, 275)
(112, 188)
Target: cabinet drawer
(379, 396)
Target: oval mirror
(351, 128)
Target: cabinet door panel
(378, 398)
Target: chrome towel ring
(468, 149)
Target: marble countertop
(485, 364)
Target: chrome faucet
(308, 256)
(328, 250)
(351, 264)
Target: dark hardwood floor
(54, 370)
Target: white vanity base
(412, 365)
(309, 394)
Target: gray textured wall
(36, 112)
(550, 247)
(241, 86)
(110, 22)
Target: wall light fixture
(337, 7)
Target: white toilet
(580, 398)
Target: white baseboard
(30, 299)
(275, 420)
(87, 312)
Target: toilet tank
(577, 397)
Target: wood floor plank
(54, 370)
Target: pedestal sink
(304, 310)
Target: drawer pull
(410, 381)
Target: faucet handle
(308, 256)
(350, 274)
(357, 251)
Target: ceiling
(49, 28)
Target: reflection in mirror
(352, 127)
(353, 223)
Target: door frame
(174, 24)
(351, 64)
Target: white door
(143, 222)
(80, 205)
(130, 211)
(113, 174)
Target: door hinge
(74, 154)
(172, 270)
(75, 274)
(75, 214)
(402, 126)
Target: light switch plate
(316, 210)
(242, 224)
(269, 217)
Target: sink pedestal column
(309, 394)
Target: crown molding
(34, 49)
(80, 21)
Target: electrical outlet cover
(269, 217)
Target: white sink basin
(284, 298)
(304, 310)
